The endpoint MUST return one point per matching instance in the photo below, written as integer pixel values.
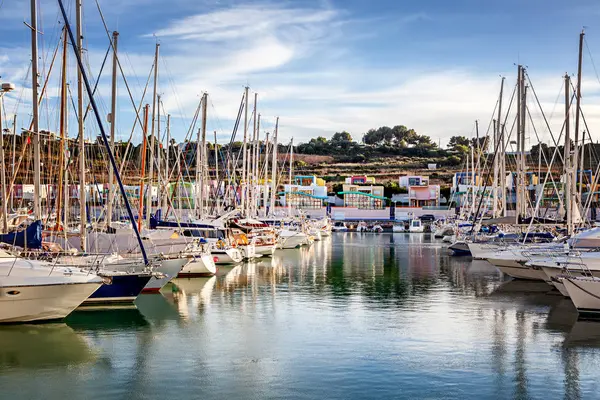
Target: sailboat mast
(274, 168)
(82, 191)
(577, 112)
(202, 159)
(567, 158)
(143, 167)
(37, 207)
(158, 155)
(217, 182)
(167, 157)
(253, 161)
(266, 176)
(519, 182)
(244, 180)
(62, 123)
(152, 134)
(500, 147)
(524, 200)
(113, 118)
(257, 168)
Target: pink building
(420, 192)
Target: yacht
(32, 290)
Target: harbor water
(355, 316)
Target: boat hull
(228, 256)
(203, 265)
(460, 249)
(585, 294)
(123, 289)
(169, 270)
(42, 302)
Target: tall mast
(244, 180)
(37, 208)
(62, 123)
(202, 158)
(152, 133)
(82, 191)
(274, 168)
(252, 162)
(500, 148)
(567, 158)
(168, 154)
(518, 184)
(3, 174)
(524, 200)
(158, 155)
(288, 203)
(143, 168)
(113, 117)
(577, 112)
(266, 176)
(257, 167)
(217, 182)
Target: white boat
(584, 292)
(289, 239)
(168, 270)
(416, 226)
(38, 291)
(398, 228)
(339, 227)
(230, 255)
(200, 265)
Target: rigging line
(137, 114)
(586, 127)
(544, 115)
(88, 108)
(591, 59)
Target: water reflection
(113, 318)
(41, 346)
(353, 316)
(192, 295)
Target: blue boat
(124, 288)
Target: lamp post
(4, 88)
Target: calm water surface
(353, 317)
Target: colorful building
(359, 192)
(305, 192)
(420, 192)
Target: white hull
(264, 249)
(519, 271)
(248, 251)
(292, 240)
(228, 256)
(27, 303)
(585, 294)
(169, 269)
(202, 265)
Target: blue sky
(322, 66)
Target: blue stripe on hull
(124, 288)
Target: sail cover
(31, 237)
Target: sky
(320, 66)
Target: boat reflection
(156, 308)
(42, 346)
(117, 318)
(191, 295)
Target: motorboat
(339, 227)
(584, 293)
(416, 226)
(33, 290)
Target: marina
(162, 236)
(352, 316)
